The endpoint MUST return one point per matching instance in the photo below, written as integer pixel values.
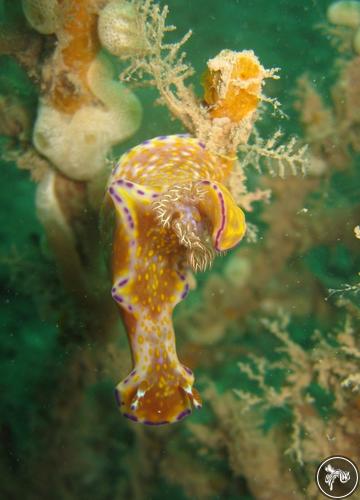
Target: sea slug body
(168, 211)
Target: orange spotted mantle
(149, 267)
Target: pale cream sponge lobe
(42, 15)
(119, 30)
(77, 144)
(347, 14)
(344, 13)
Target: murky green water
(286, 306)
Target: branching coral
(309, 375)
(332, 133)
(250, 452)
(279, 159)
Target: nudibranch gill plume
(169, 212)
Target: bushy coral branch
(237, 186)
(277, 158)
(161, 64)
(323, 365)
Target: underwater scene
(179, 259)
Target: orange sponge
(78, 45)
(232, 84)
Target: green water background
(282, 34)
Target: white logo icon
(343, 476)
(337, 477)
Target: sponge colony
(77, 144)
(232, 84)
(347, 14)
(344, 13)
(42, 15)
(118, 29)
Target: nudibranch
(169, 212)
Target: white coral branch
(162, 64)
(278, 158)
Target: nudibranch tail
(159, 390)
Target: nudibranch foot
(158, 397)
